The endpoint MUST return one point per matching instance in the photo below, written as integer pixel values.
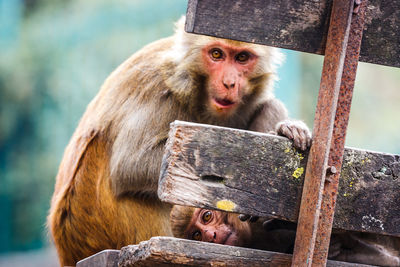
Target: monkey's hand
(245, 217)
(335, 247)
(297, 131)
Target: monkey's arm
(268, 116)
(279, 239)
(273, 116)
(138, 149)
(361, 248)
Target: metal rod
(339, 136)
(322, 134)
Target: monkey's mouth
(230, 240)
(223, 103)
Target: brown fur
(279, 236)
(183, 219)
(180, 218)
(105, 193)
(251, 235)
(367, 248)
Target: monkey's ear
(181, 43)
(185, 42)
(180, 24)
(180, 218)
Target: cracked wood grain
(296, 24)
(260, 174)
(168, 251)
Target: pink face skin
(228, 68)
(211, 226)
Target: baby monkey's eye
(196, 236)
(206, 216)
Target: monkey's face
(217, 227)
(228, 68)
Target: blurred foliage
(55, 55)
(374, 118)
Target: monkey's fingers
(307, 138)
(297, 131)
(334, 249)
(253, 218)
(285, 130)
(275, 224)
(304, 139)
(245, 217)
(269, 225)
(293, 133)
(297, 138)
(304, 136)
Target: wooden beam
(169, 251)
(105, 258)
(261, 174)
(300, 25)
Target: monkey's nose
(210, 235)
(229, 85)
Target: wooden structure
(300, 25)
(256, 167)
(168, 251)
(213, 167)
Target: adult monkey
(105, 193)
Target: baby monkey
(209, 226)
(226, 228)
(275, 235)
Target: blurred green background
(54, 56)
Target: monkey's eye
(242, 57)
(206, 216)
(216, 53)
(196, 236)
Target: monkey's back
(86, 216)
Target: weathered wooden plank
(105, 258)
(261, 174)
(168, 251)
(300, 25)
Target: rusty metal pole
(317, 164)
(339, 135)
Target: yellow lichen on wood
(351, 182)
(298, 172)
(366, 160)
(226, 205)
